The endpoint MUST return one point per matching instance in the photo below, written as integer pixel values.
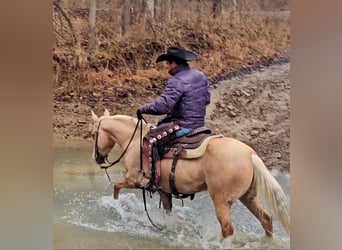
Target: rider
(186, 94)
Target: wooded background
(101, 42)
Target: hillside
(120, 73)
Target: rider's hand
(139, 114)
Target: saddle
(161, 142)
(192, 145)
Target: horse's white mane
(123, 118)
(129, 120)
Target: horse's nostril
(100, 159)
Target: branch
(61, 11)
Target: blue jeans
(182, 131)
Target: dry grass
(128, 62)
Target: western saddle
(161, 142)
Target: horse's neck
(121, 128)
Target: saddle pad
(198, 152)
(188, 153)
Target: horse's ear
(94, 116)
(106, 112)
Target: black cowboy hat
(177, 52)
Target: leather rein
(120, 157)
(122, 154)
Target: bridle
(109, 164)
(97, 155)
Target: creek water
(86, 216)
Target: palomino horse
(229, 170)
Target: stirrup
(144, 182)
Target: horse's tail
(268, 186)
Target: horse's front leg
(122, 183)
(166, 200)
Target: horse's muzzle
(100, 159)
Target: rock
(230, 106)
(245, 93)
(277, 155)
(82, 121)
(254, 132)
(232, 113)
(219, 105)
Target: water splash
(85, 201)
(191, 226)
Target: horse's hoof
(116, 193)
(269, 234)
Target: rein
(141, 170)
(123, 153)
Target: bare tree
(217, 8)
(126, 17)
(167, 9)
(136, 11)
(162, 10)
(234, 7)
(148, 11)
(58, 8)
(92, 25)
(199, 11)
(156, 9)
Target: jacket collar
(180, 67)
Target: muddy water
(86, 216)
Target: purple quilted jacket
(185, 97)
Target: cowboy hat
(177, 52)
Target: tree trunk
(234, 7)
(217, 8)
(148, 11)
(126, 17)
(92, 25)
(62, 13)
(199, 11)
(156, 10)
(167, 10)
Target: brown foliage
(127, 63)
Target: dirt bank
(253, 108)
